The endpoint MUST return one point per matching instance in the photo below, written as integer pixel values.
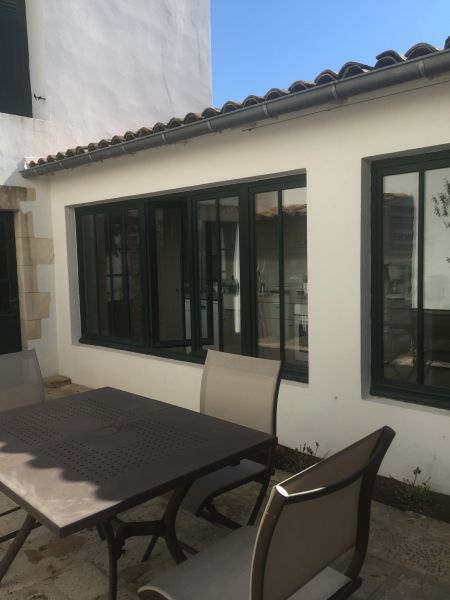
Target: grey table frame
(209, 444)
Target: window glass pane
(209, 270)
(436, 293)
(172, 281)
(400, 229)
(230, 274)
(134, 275)
(112, 277)
(295, 276)
(103, 279)
(90, 273)
(118, 305)
(267, 274)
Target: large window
(411, 279)
(223, 269)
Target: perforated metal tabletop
(74, 461)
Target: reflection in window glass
(230, 303)
(436, 291)
(400, 202)
(173, 312)
(219, 273)
(209, 270)
(267, 274)
(134, 274)
(111, 270)
(295, 275)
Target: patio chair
(243, 390)
(20, 384)
(311, 520)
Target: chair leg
(28, 525)
(258, 503)
(150, 548)
(8, 512)
(211, 514)
(264, 486)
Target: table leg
(113, 554)
(27, 526)
(169, 521)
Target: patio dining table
(80, 461)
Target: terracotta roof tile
(350, 69)
(326, 76)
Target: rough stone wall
(31, 251)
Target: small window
(223, 269)
(15, 92)
(411, 280)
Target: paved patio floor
(408, 559)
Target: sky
(260, 44)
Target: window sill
(423, 396)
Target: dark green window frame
(417, 391)
(150, 343)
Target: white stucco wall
(109, 65)
(103, 67)
(333, 147)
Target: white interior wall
(333, 146)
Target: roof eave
(334, 92)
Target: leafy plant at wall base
(416, 495)
(303, 457)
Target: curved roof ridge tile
(252, 100)
(420, 49)
(300, 85)
(158, 127)
(210, 112)
(117, 139)
(389, 57)
(351, 68)
(174, 122)
(275, 93)
(326, 76)
(192, 117)
(230, 106)
(142, 131)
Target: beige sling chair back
(311, 519)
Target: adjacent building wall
(109, 66)
(96, 69)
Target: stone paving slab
(408, 557)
